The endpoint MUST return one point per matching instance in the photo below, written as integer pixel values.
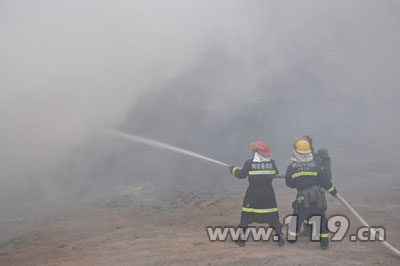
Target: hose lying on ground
(364, 223)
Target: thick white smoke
(71, 68)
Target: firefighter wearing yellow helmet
(306, 174)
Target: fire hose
(364, 223)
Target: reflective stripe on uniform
(324, 235)
(331, 189)
(244, 209)
(304, 173)
(292, 233)
(262, 172)
(233, 170)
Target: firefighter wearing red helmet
(259, 203)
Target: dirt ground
(121, 233)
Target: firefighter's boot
(324, 243)
(281, 241)
(240, 243)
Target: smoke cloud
(210, 76)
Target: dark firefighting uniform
(322, 155)
(310, 181)
(259, 203)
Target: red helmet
(260, 147)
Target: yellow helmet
(302, 146)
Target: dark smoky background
(206, 76)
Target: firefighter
(306, 174)
(259, 203)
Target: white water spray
(161, 145)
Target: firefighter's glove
(333, 192)
(231, 167)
